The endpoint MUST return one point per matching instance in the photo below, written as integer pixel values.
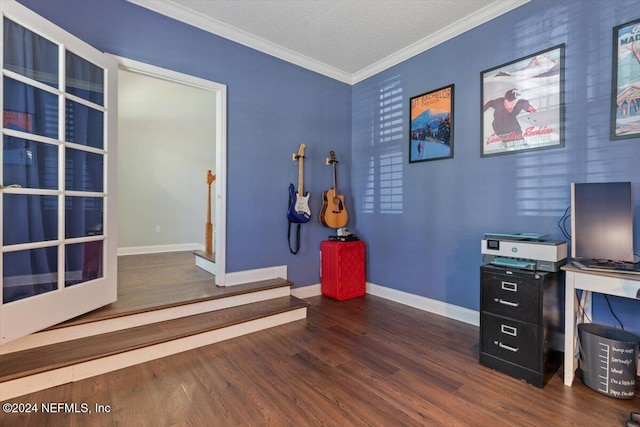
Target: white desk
(618, 284)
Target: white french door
(57, 186)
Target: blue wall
(422, 222)
(273, 106)
(428, 243)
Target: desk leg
(569, 328)
(587, 305)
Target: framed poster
(431, 125)
(523, 104)
(625, 93)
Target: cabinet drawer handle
(508, 347)
(509, 330)
(509, 303)
(509, 286)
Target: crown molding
(449, 32)
(175, 11)
(219, 28)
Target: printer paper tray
(513, 263)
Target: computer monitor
(602, 222)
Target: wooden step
(172, 299)
(77, 359)
(206, 261)
(127, 312)
(209, 256)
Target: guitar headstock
(332, 158)
(300, 153)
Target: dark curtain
(31, 164)
(28, 218)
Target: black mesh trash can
(608, 359)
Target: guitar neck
(335, 178)
(300, 174)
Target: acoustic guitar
(299, 211)
(333, 213)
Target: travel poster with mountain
(431, 128)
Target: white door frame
(220, 92)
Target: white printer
(528, 251)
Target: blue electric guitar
(299, 211)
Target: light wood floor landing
(154, 281)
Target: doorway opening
(172, 130)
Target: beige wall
(166, 144)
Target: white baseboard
(422, 303)
(427, 304)
(138, 250)
(248, 276)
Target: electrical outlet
(157, 228)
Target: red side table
(342, 273)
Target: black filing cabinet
(520, 320)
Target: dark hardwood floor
(365, 361)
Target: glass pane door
(58, 162)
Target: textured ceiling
(346, 39)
